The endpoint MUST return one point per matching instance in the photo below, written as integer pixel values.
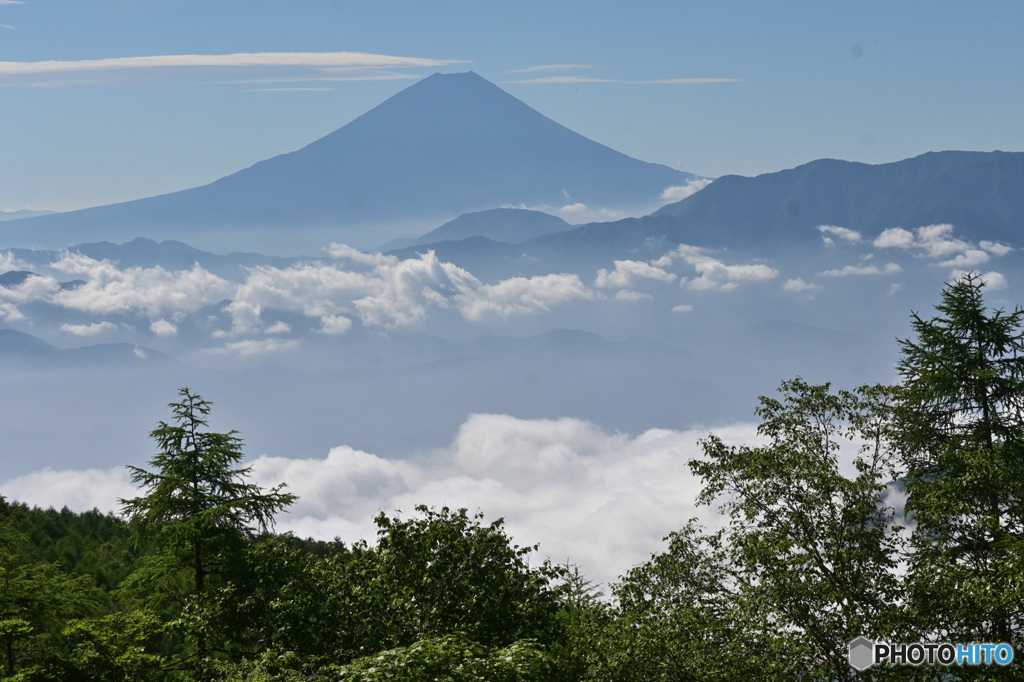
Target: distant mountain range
(18, 215)
(981, 193)
(457, 151)
(18, 349)
(765, 216)
(146, 253)
(512, 225)
(450, 144)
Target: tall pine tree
(962, 425)
(198, 508)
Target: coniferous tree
(198, 508)
(962, 425)
(36, 600)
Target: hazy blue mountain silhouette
(18, 215)
(512, 225)
(14, 278)
(978, 192)
(146, 253)
(24, 350)
(447, 145)
(981, 193)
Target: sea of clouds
(600, 500)
(590, 496)
(106, 301)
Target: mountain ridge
(979, 192)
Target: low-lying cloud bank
(335, 293)
(601, 500)
(349, 289)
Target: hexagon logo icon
(862, 653)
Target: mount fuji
(447, 145)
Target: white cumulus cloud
(81, 489)
(627, 272)
(153, 291)
(993, 280)
(386, 292)
(33, 288)
(163, 328)
(88, 329)
(376, 289)
(968, 259)
(630, 295)
(939, 242)
(334, 325)
(842, 233)
(602, 500)
(521, 295)
(9, 262)
(10, 312)
(249, 347)
(798, 285)
(713, 274)
(895, 238)
(995, 248)
(680, 192)
(278, 327)
(859, 270)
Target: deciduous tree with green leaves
(681, 616)
(198, 507)
(814, 552)
(445, 572)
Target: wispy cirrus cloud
(565, 79)
(552, 67)
(568, 79)
(571, 79)
(690, 81)
(290, 90)
(243, 67)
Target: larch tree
(962, 424)
(198, 507)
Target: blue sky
(111, 100)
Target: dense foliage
(893, 512)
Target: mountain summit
(447, 145)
